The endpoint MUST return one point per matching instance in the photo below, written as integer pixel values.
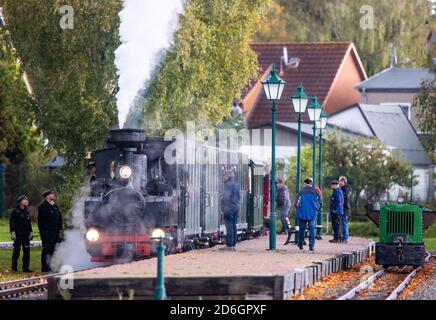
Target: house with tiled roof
(330, 70)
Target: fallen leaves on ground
(336, 284)
(425, 277)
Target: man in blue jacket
(307, 205)
(336, 210)
(230, 204)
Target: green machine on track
(401, 232)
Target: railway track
(383, 285)
(16, 288)
(27, 286)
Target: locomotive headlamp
(158, 234)
(92, 235)
(125, 172)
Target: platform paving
(250, 272)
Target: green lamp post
(411, 186)
(2, 173)
(321, 125)
(299, 102)
(159, 290)
(273, 87)
(314, 111)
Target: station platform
(250, 272)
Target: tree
(344, 20)
(18, 138)
(208, 66)
(73, 77)
(371, 170)
(72, 71)
(425, 105)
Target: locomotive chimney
(128, 141)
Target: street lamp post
(273, 87)
(321, 124)
(411, 186)
(299, 102)
(314, 111)
(159, 290)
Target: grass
(368, 229)
(5, 236)
(6, 273)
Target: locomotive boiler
(136, 191)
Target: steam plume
(146, 30)
(72, 251)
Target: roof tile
(319, 64)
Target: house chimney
(394, 59)
(284, 60)
(292, 63)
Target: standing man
(344, 187)
(307, 206)
(20, 226)
(319, 227)
(50, 228)
(283, 203)
(92, 171)
(336, 210)
(230, 204)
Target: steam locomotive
(136, 191)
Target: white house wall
(420, 191)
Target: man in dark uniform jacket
(336, 210)
(344, 187)
(20, 226)
(50, 228)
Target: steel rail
(363, 285)
(27, 285)
(22, 286)
(23, 290)
(25, 281)
(396, 292)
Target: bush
(363, 229)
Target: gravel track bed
(423, 286)
(383, 286)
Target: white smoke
(146, 29)
(72, 251)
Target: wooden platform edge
(277, 287)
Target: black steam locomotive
(137, 191)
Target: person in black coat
(50, 228)
(20, 226)
(344, 187)
(230, 203)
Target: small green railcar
(401, 231)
